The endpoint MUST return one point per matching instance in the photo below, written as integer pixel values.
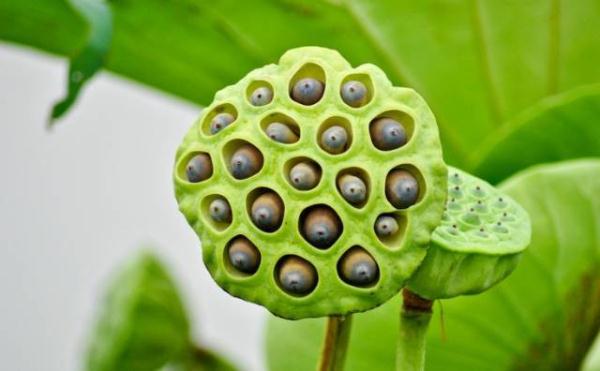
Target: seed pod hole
(389, 229)
(320, 226)
(358, 268)
(259, 93)
(404, 186)
(295, 275)
(391, 130)
(242, 159)
(196, 167)
(354, 185)
(242, 257)
(216, 210)
(219, 118)
(356, 90)
(308, 84)
(302, 173)
(335, 135)
(280, 128)
(266, 209)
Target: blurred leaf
(91, 58)
(543, 317)
(477, 63)
(562, 127)
(143, 325)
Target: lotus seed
(245, 162)
(322, 227)
(358, 268)
(401, 189)
(334, 139)
(353, 189)
(354, 93)
(261, 96)
(267, 211)
(220, 121)
(297, 276)
(199, 168)
(281, 133)
(219, 210)
(471, 218)
(387, 134)
(386, 226)
(243, 255)
(308, 91)
(304, 175)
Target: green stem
(414, 320)
(335, 345)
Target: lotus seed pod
(353, 189)
(297, 276)
(304, 175)
(243, 255)
(386, 226)
(402, 189)
(321, 227)
(387, 134)
(199, 168)
(245, 162)
(220, 122)
(261, 96)
(308, 91)
(358, 268)
(267, 211)
(219, 210)
(354, 93)
(334, 139)
(317, 224)
(472, 250)
(281, 133)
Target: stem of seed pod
(414, 321)
(335, 345)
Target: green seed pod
(281, 133)
(243, 255)
(199, 168)
(245, 162)
(402, 189)
(220, 122)
(317, 161)
(267, 211)
(387, 134)
(358, 268)
(261, 96)
(473, 248)
(352, 188)
(297, 276)
(219, 210)
(354, 93)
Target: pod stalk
(415, 316)
(335, 345)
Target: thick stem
(337, 335)
(414, 320)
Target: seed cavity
(401, 188)
(220, 122)
(296, 276)
(261, 96)
(387, 134)
(308, 91)
(354, 93)
(220, 210)
(334, 140)
(245, 161)
(281, 133)
(267, 210)
(243, 256)
(358, 268)
(199, 168)
(304, 174)
(320, 226)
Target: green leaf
(477, 63)
(543, 317)
(91, 57)
(561, 127)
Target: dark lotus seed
(358, 268)
(220, 121)
(219, 210)
(354, 93)
(245, 162)
(308, 91)
(199, 168)
(321, 227)
(281, 133)
(267, 211)
(387, 134)
(401, 189)
(243, 255)
(353, 189)
(297, 276)
(386, 226)
(334, 139)
(261, 96)
(304, 175)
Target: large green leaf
(543, 317)
(477, 63)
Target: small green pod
(473, 248)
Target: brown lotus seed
(267, 211)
